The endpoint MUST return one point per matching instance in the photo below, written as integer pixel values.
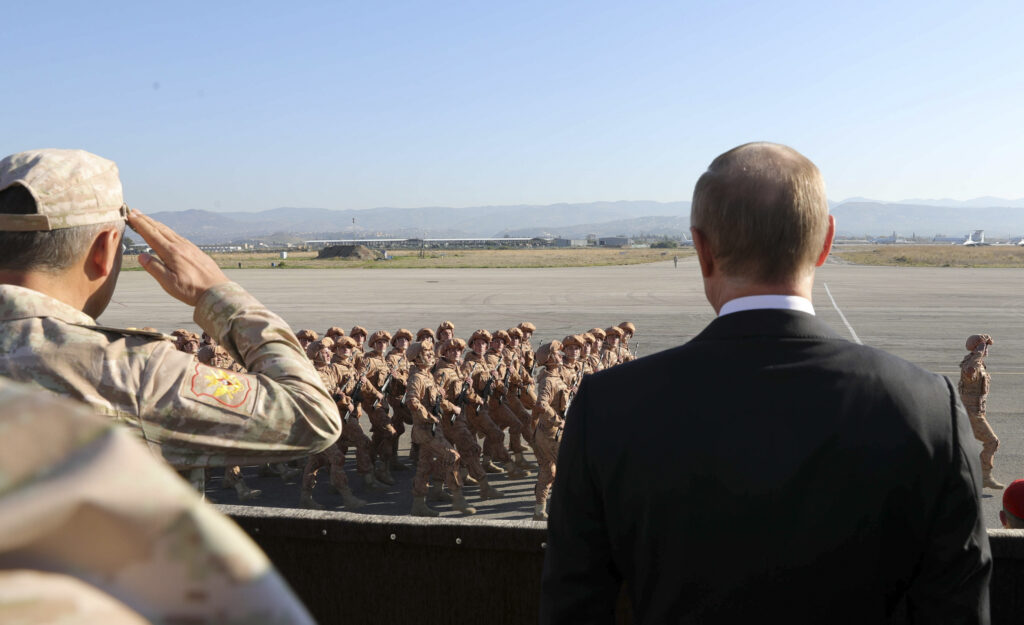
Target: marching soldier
(457, 386)
(306, 337)
(527, 393)
(590, 361)
(400, 416)
(358, 334)
(437, 455)
(572, 366)
(527, 329)
(549, 412)
(355, 387)
(374, 367)
(335, 380)
(596, 352)
(973, 387)
(486, 383)
(497, 405)
(610, 353)
(445, 332)
(628, 330)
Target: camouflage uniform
(478, 416)
(497, 404)
(974, 387)
(610, 352)
(552, 402)
(375, 367)
(437, 455)
(400, 416)
(193, 414)
(628, 330)
(452, 380)
(80, 497)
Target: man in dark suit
(773, 472)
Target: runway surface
(921, 314)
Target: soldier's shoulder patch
(221, 388)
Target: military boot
(351, 501)
(420, 508)
(371, 483)
(414, 454)
(459, 503)
(306, 501)
(380, 471)
(990, 482)
(489, 492)
(540, 511)
(437, 494)
(489, 465)
(244, 492)
(513, 472)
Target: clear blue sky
(250, 106)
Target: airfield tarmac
(920, 314)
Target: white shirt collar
(759, 302)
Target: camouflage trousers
(986, 436)
(494, 438)
(437, 459)
(546, 449)
(332, 457)
(382, 432)
(504, 418)
(465, 443)
(518, 408)
(352, 435)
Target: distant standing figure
(675, 261)
(973, 387)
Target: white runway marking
(856, 339)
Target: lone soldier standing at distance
(973, 387)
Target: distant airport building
(571, 243)
(613, 242)
(476, 242)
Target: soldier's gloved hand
(181, 268)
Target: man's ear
(829, 236)
(704, 255)
(103, 254)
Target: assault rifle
(387, 382)
(504, 383)
(572, 393)
(486, 392)
(436, 411)
(461, 399)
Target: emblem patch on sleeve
(220, 387)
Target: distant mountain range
(854, 217)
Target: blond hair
(763, 210)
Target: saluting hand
(181, 268)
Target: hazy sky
(250, 106)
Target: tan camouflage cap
(628, 327)
(455, 343)
(334, 331)
(424, 332)
(358, 331)
(343, 342)
(547, 350)
(975, 340)
(380, 335)
(597, 333)
(446, 325)
(572, 339)
(307, 335)
(613, 331)
(526, 326)
(501, 335)
(401, 333)
(70, 188)
(515, 333)
(480, 334)
(589, 338)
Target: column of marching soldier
(452, 393)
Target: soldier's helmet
(306, 335)
(501, 335)
(380, 335)
(401, 333)
(480, 335)
(343, 342)
(453, 343)
(572, 339)
(597, 333)
(977, 340)
(515, 333)
(334, 332)
(317, 352)
(588, 337)
(421, 352)
(526, 326)
(547, 351)
(628, 328)
(424, 332)
(357, 331)
(446, 325)
(613, 331)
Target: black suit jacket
(767, 471)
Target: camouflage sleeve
(414, 392)
(547, 396)
(65, 504)
(205, 416)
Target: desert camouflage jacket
(192, 414)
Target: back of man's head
(763, 210)
(1012, 514)
(52, 205)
